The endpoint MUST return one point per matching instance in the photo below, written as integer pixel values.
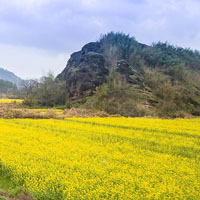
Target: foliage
(172, 96)
(9, 76)
(117, 46)
(159, 55)
(7, 187)
(171, 75)
(47, 92)
(7, 87)
(116, 97)
(160, 77)
(28, 92)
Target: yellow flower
(103, 158)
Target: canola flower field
(11, 100)
(103, 158)
(43, 110)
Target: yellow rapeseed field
(43, 110)
(11, 100)
(103, 158)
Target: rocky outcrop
(128, 73)
(85, 70)
(160, 76)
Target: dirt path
(4, 195)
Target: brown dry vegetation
(10, 111)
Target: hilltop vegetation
(138, 79)
(119, 75)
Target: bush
(116, 97)
(48, 92)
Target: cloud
(66, 25)
(22, 4)
(31, 62)
(59, 26)
(56, 25)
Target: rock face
(85, 70)
(158, 75)
(127, 72)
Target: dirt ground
(4, 195)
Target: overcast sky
(39, 35)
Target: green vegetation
(9, 76)
(48, 92)
(159, 55)
(7, 87)
(170, 76)
(117, 97)
(119, 75)
(7, 186)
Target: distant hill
(9, 76)
(119, 75)
(7, 86)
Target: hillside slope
(9, 76)
(117, 71)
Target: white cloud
(65, 25)
(89, 3)
(31, 62)
(23, 3)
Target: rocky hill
(119, 71)
(9, 76)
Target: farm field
(103, 158)
(11, 100)
(46, 110)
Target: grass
(7, 187)
(103, 158)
